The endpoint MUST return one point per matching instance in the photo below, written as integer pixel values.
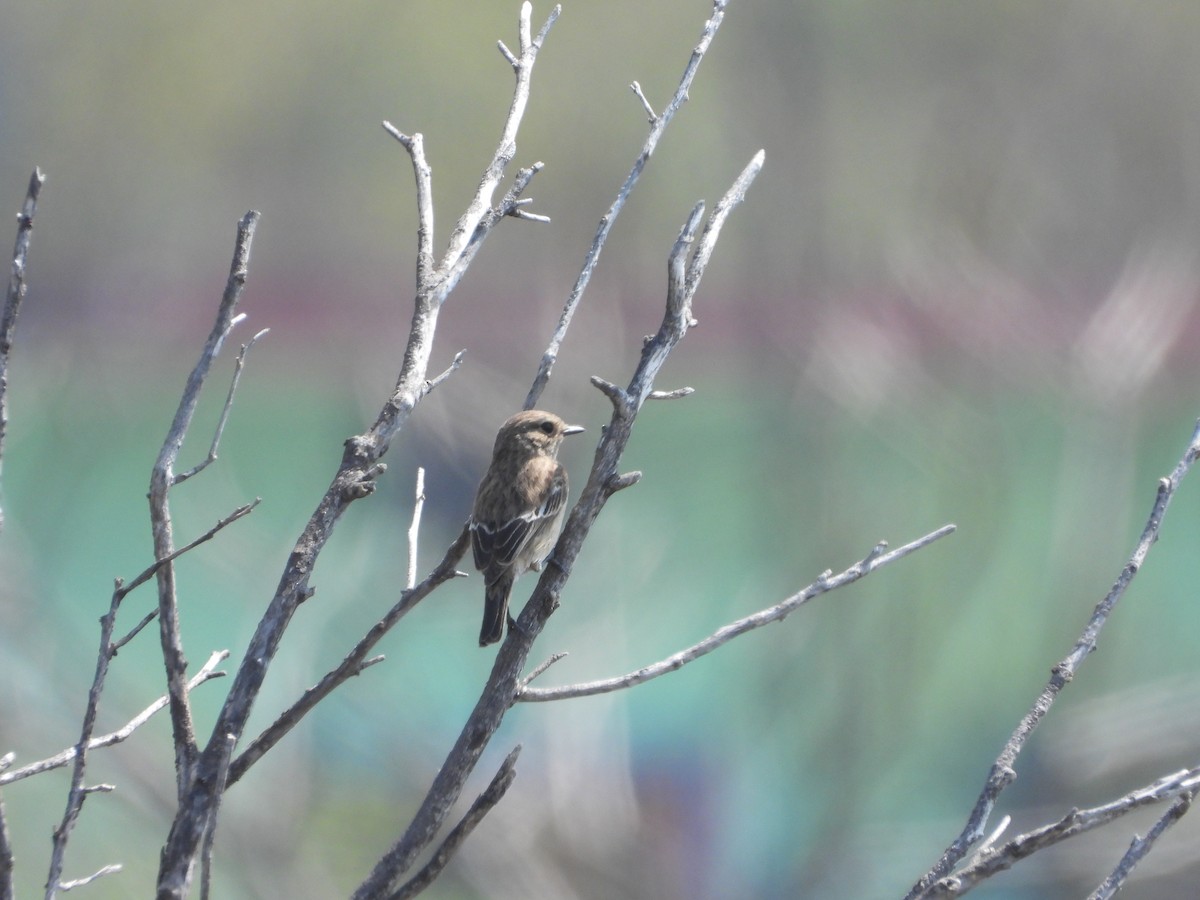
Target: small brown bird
(518, 510)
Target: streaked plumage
(518, 510)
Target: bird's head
(534, 432)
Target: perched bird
(518, 510)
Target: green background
(962, 290)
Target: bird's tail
(495, 609)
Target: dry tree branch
(78, 791)
(122, 589)
(359, 468)
(224, 417)
(827, 582)
(7, 891)
(483, 804)
(992, 860)
(354, 662)
(162, 479)
(205, 673)
(99, 873)
(500, 691)
(414, 529)
(1141, 846)
(658, 124)
(14, 296)
(1003, 771)
(211, 833)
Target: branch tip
(675, 394)
(508, 54)
(651, 116)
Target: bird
(519, 509)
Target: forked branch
(1003, 771)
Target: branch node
(405, 140)
(877, 551)
(619, 397)
(620, 482)
(538, 670)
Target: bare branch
(658, 126)
(1003, 771)
(237, 374)
(1141, 846)
(513, 203)
(453, 367)
(7, 890)
(671, 395)
(724, 635)
(99, 873)
(483, 804)
(148, 573)
(508, 54)
(78, 792)
(211, 832)
(651, 116)
(205, 673)
(162, 478)
(354, 662)
(989, 862)
(415, 146)
(540, 668)
(14, 296)
(479, 217)
(414, 529)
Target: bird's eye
(547, 427)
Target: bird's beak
(573, 429)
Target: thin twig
(483, 804)
(480, 216)
(354, 662)
(14, 296)
(991, 861)
(162, 478)
(77, 791)
(540, 669)
(415, 145)
(450, 370)
(146, 574)
(724, 635)
(237, 374)
(58, 760)
(99, 873)
(671, 395)
(592, 257)
(1141, 846)
(414, 529)
(651, 116)
(7, 890)
(1003, 771)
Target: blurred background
(963, 289)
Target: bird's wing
(499, 543)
